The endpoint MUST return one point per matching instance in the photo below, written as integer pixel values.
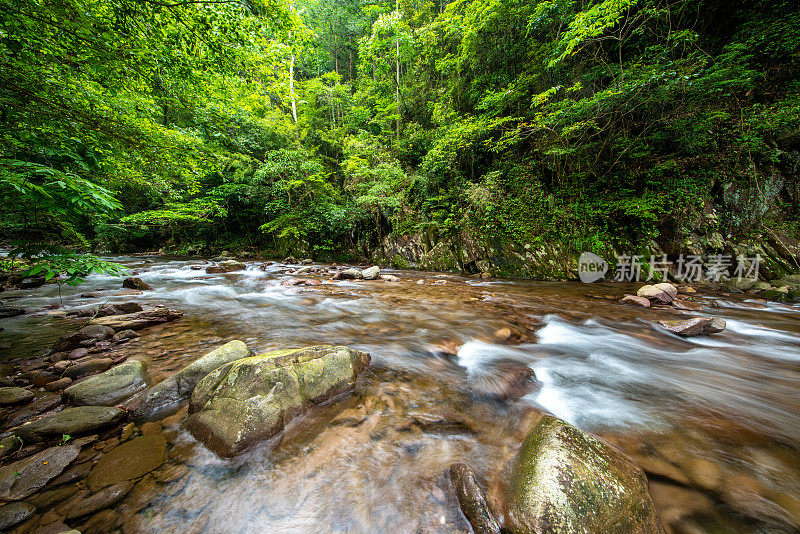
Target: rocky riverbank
(445, 439)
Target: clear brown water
(714, 420)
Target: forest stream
(714, 421)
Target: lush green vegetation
(319, 127)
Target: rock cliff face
(252, 399)
(469, 253)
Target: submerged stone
(102, 499)
(564, 480)
(472, 501)
(251, 400)
(132, 459)
(20, 479)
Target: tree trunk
(397, 64)
(291, 89)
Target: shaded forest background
(327, 128)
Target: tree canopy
(320, 127)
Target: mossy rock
(251, 400)
(564, 480)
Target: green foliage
(603, 123)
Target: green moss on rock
(564, 480)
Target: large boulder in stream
(251, 400)
(166, 396)
(14, 395)
(564, 480)
(662, 293)
(111, 387)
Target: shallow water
(714, 420)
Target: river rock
(102, 499)
(658, 293)
(111, 387)
(135, 283)
(226, 266)
(15, 513)
(91, 333)
(14, 395)
(77, 354)
(739, 285)
(686, 305)
(472, 501)
(635, 300)
(138, 320)
(9, 445)
(389, 277)
(165, 397)
(132, 459)
(42, 403)
(504, 379)
(698, 326)
(371, 273)
(124, 335)
(20, 479)
(351, 274)
(105, 310)
(58, 385)
(564, 480)
(251, 400)
(87, 367)
(72, 421)
(7, 311)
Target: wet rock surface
(111, 387)
(14, 395)
(251, 400)
(71, 421)
(227, 266)
(132, 459)
(135, 283)
(166, 396)
(21, 478)
(12, 514)
(564, 480)
(138, 320)
(699, 326)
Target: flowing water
(715, 421)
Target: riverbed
(713, 420)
